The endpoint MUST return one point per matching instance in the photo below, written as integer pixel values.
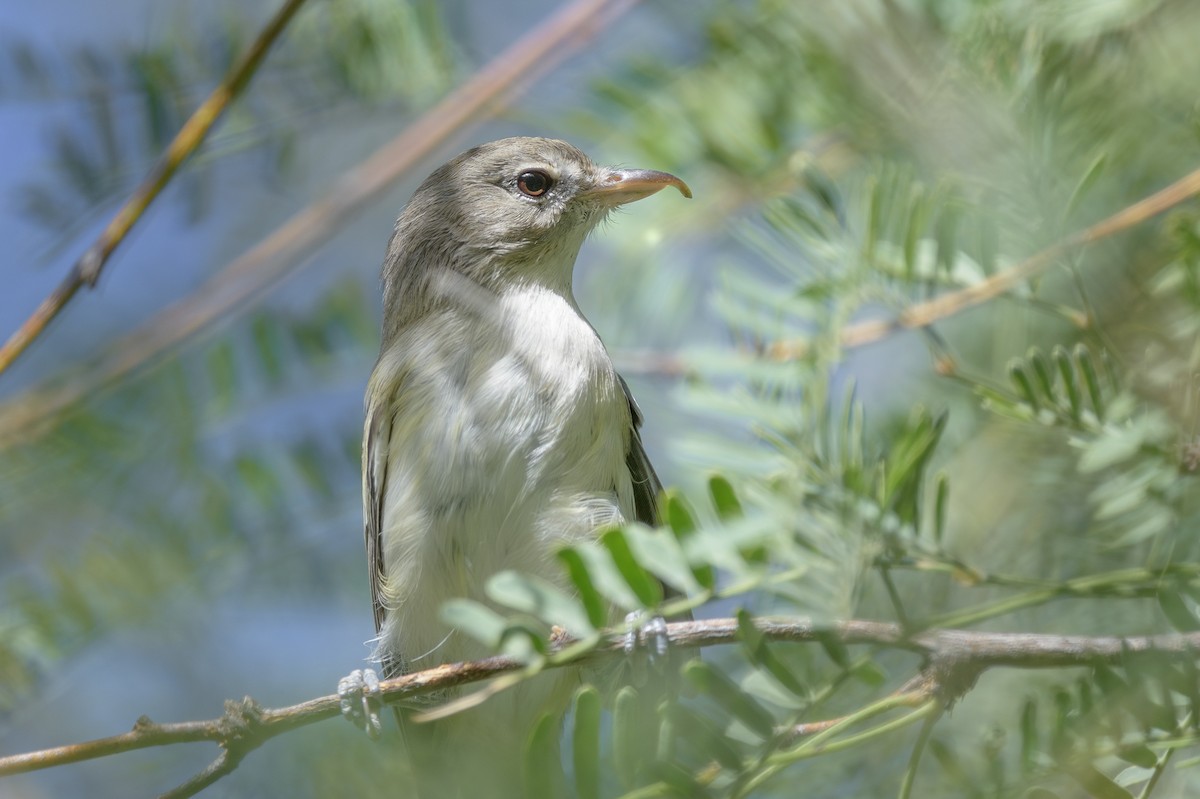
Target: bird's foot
(361, 700)
(643, 630)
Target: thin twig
(924, 314)
(245, 726)
(224, 764)
(87, 269)
(946, 305)
(1156, 774)
(914, 760)
(285, 248)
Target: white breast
(508, 440)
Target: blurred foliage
(849, 160)
(340, 56)
(168, 487)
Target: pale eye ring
(534, 182)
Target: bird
(497, 428)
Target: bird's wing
(375, 448)
(647, 488)
(646, 485)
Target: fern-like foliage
(125, 106)
(190, 435)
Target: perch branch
(954, 659)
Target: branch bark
(953, 660)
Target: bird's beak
(620, 186)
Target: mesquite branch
(952, 660)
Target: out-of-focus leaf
(537, 597)
(1177, 611)
(633, 739)
(718, 687)
(724, 498)
(758, 650)
(543, 773)
(593, 603)
(647, 590)
(476, 620)
(585, 743)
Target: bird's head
(509, 212)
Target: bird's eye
(534, 183)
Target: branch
(88, 268)
(924, 314)
(954, 659)
(285, 248)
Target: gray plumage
(497, 428)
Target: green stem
(914, 760)
(820, 744)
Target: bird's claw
(361, 700)
(648, 631)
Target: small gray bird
(497, 428)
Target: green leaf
(524, 638)
(633, 738)
(1090, 175)
(1139, 755)
(946, 237)
(538, 597)
(824, 189)
(724, 498)
(663, 556)
(701, 733)
(647, 589)
(313, 467)
(907, 461)
(1086, 701)
(678, 516)
(606, 577)
(834, 648)
(543, 772)
(1091, 379)
(1043, 375)
(874, 228)
(222, 376)
(1177, 611)
(585, 743)
(593, 603)
(918, 207)
(1098, 785)
(1029, 737)
(683, 525)
(268, 345)
(758, 650)
(948, 759)
(940, 504)
(258, 478)
(1066, 370)
(1064, 732)
(680, 781)
(870, 674)
(1116, 445)
(1134, 775)
(1110, 683)
(718, 687)
(476, 620)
